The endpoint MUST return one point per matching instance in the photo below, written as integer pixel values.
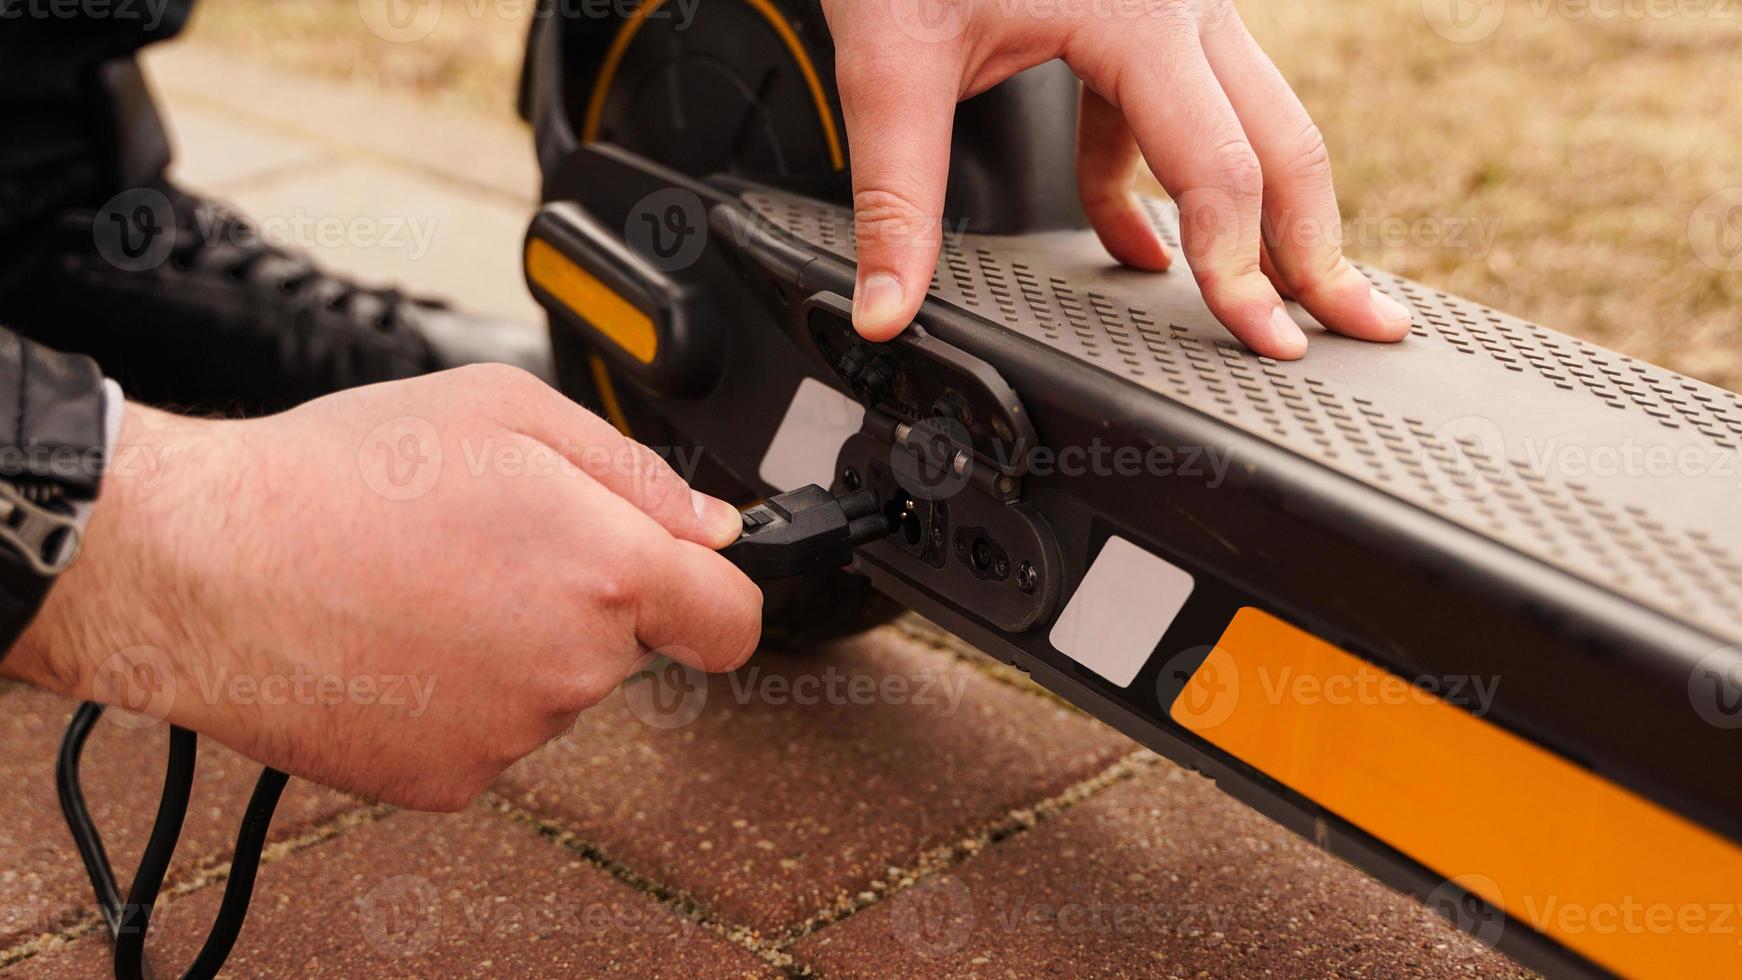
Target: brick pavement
(955, 822)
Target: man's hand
(396, 590)
(1179, 83)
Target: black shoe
(180, 300)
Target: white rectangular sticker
(1127, 601)
(804, 448)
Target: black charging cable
(130, 921)
(801, 532)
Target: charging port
(984, 556)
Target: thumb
(899, 107)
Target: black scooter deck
(1615, 471)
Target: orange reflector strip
(576, 288)
(1604, 872)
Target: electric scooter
(1344, 588)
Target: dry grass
(1582, 144)
(469, 58)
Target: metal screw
(1026, 577)
(1001, 566)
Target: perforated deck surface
(1617, 471)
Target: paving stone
(1161, 875)
(380, 225)
(43, 884)
(433, 895)
(216, 152)
(493, 155)
(803, 778)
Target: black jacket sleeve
(53, 449)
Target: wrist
(134, 604)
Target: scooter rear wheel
(742, 87)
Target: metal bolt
(1001, 566)
(1027, 579)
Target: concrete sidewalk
(957, 823)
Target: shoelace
(212, 232)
